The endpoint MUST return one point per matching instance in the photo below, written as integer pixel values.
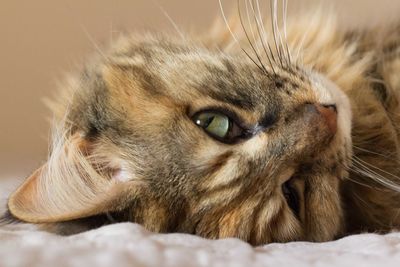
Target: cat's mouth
(292, 196)
(293, 191)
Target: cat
(267, 130)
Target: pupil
(219, 126)
(204, 121)
(208, 121)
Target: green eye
(216, 124)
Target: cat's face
(204, 142)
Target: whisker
(375, 153)
(366, 174)
(250, 25)
(285, 9)
(234, 36)
(300, 46)
(263, 40)
(281, 45)
(361, 200)
(173, 23)
(274, 28)
(370, 174)
(248, 39)
(396, 216)
(227, 23)
(377, 168)
(78, 22)
(351, 179)
(364, 170)
(261, 23)
(93, 42)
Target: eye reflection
(214, 123)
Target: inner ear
(69, 186)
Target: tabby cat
(266, 129)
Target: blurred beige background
(41, 39)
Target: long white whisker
(354, 169)
(301, 44)
(274, 28)
(235, 39)
(262, 34)
(93, 42)
(226, 22)
(300, 47)
(375, 153)
(368, 175)
(285, 9)
(377, 168)
(366, 204)
(281, 45)
(250, 25)
(377, 177)
(173, 23)
(261, 66)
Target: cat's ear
(70, 186)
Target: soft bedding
(128, 244)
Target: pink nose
(329, 113)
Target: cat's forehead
(190, 74)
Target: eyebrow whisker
(263, 39)
(235, 38)
(248, 38)
(274, 20)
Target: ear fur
(69, 186)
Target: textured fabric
(128, 244)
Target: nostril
(329, 112)
(331, 107)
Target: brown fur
(126, 148)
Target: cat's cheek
(255, 145)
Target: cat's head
(179, 137)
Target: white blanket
(128, 244)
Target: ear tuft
(67, 187)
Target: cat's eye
(214, 123)
(218, 125)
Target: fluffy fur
(126, 147)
